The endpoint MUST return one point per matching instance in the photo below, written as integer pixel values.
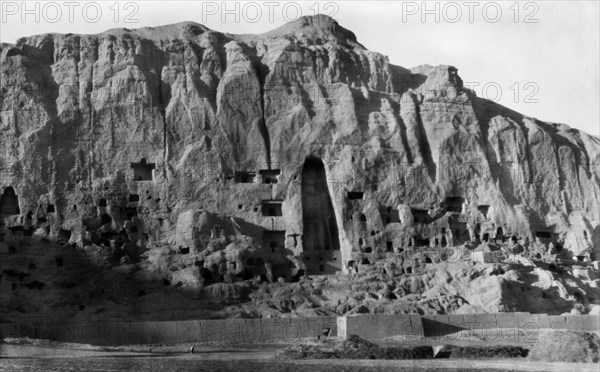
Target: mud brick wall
(526, 325)
(371, 327)
(193, 331)
(379, 326)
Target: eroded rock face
(209, 142)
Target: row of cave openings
(9, 201)
(265, 176)
(320, 228)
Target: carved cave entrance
(142, 171)
(321, 240)
(9, 202)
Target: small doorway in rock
(390, 246)
(272, 208)
(142, 171)
(9, 202)
(244, 177)
(500, 233)
(269, 176)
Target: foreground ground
(245, 359)
(41, 355)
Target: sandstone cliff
(291, 152)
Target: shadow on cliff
(60, 283)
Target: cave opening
(389, 215)
(274, 240)
(355, 195)
(420, 215)
(422, 242)
(142, 171)
(105, 219)
(272, 208)
(484, 209)
(318, 217)
(244, 177)
(130, 212)
(64, 234)
(454, 204)
(9, 202)
(500, 233)
(543, 234)
(269, 176)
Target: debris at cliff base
(357, 348)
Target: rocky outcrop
(183, 136)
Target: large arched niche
(321, 243)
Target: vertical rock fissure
(424, 145)
(163, 111)
(262, 124)
(91, 126)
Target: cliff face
(300, 139)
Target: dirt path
(459, 364)
(34, 358)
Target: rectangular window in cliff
(64, 234)
(454, 204)
(274, 240)
(389, 215)
(130, 212)
(543, 234)
(355, 195)
(484, 209)
(269, 176)
(134, 198)
(422, 242)
(271, 208)
(244, 177)
(142, 171)
(420, 215)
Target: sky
(540, 58)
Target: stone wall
(228, 331)
(513, 327)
